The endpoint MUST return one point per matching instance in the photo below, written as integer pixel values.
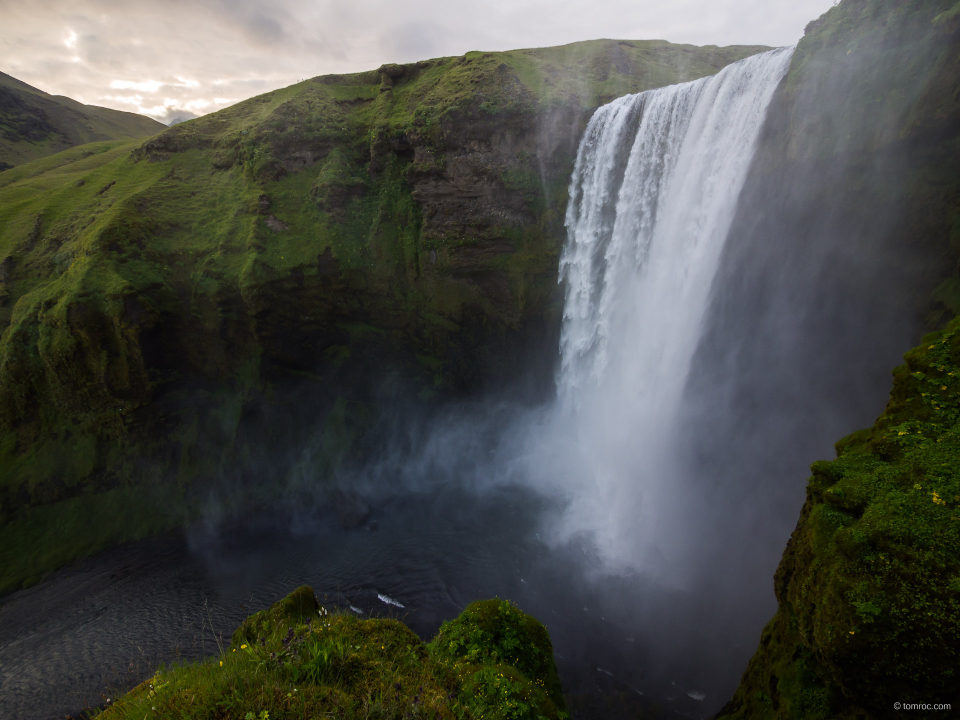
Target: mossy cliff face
(869, 602)
(869, 585)
(297, 660)
(205, 305)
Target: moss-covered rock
(869, 585)
(490, 635)
(296, 659)
(298, 607)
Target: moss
(43, 538)
(493, 634)
(869, 601)
(297, 608)
(338, 182)
(298, 659)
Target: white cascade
(652, 198)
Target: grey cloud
(232, 49)
(265, 30)
(413, 40)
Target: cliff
(867, 591)
(869, 585)
(190, 312)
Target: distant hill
(34, 124)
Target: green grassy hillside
(296, 659)
(168, 307)
(869, 586)
(34, 124)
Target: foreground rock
(297, 660)
(869, 585)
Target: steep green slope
(34, 124)
(296, 659)
(194, 311)
(869, 585)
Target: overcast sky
(180, 58)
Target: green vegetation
(869, 604)
(298, 660)
(869, 586)
(167, 306)
(34, 124)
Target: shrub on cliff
(296, 659)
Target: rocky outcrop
(299, 656)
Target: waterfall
(652, 198)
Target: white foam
(652, 199)
(389, 600)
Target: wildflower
(243, 647)
(221, 663)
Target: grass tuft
(298, 660)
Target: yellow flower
(243, 647)
(221, 663)
(851, 632)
